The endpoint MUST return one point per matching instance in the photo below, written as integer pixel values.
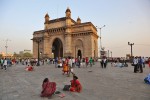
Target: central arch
(57, 48)
(79, 54)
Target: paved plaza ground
(112, 83)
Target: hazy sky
(125, 20)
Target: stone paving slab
(112, 83)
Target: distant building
(63, 37)
(25, 51)
(21, 52)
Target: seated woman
(29, 68)
(149, 62)
(48, 88)
(65, 68)
(75, 85)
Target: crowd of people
(67, 65)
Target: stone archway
(57, 48)
(79, 54)
(79, 48)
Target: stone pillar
(46, 46)
(88, 46)
(35, 49)
(68, 45)
(68, 38)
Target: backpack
(66, 88)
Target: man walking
(135, 62)
(105, 62)
(2, 61)
(143, 62)
(91, 61)
(140, 64)
(5, 64)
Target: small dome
(68, 10)
(78, 19)
(46, 15)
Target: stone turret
(78, 20)
(46, 18)
(46, 21)
(68, 12)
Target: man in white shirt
(135, 62)
(143, 62)
(5, 64)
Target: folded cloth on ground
(147, 79)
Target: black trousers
(135, 68)
(141, 68)
(102, 64)
(105, 64)
(5, 67)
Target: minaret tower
(68, 38)
(46, 20)
(78, 20)
(68, 12)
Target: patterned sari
(48, 88)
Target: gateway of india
(63, 37)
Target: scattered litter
(61, 95)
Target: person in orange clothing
(75, 85)
(65, 68)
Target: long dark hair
(45, 80)
(75, 77)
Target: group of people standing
(139, 64)
(73, 62)
(4, 63)
(103, 62)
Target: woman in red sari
(29, 68)
(149, 62)
(75, 85)
(48, 88)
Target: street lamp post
(6, 46)
(111, 53)
(101, 48)
(131, 44)
(108, 53)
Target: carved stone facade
(64, 37)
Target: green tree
(27, 55)
(1, 55)
(16, 55)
